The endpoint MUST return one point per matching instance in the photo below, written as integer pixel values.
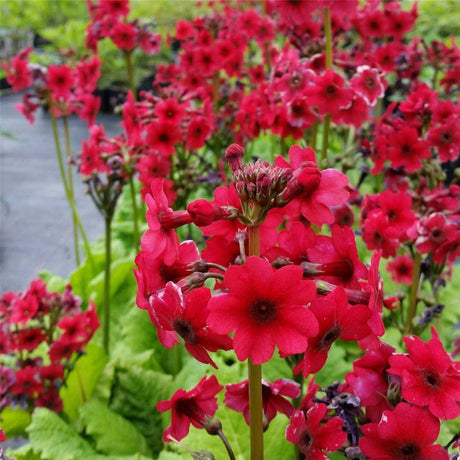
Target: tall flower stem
(414, 292)
(70, 184)
(135, 212)
(129, 68)
(255, 377)
(66, 188)
(108, 257)
(327, 118)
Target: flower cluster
(42, 335)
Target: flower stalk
(327, 118)
(255, 377)
(414, 292)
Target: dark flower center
(406, 149)
(409, 451)
(163, 137)
(330, 90)
(185, 330)
(431, 379)
(370, 83)
(446, 137)
(305, 442)
(263, 311)
(436, 234)
(330, 337)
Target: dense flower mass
(49, 320)
(252, 244)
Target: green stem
(129, 68)
(328, 33)
(378, 109)
(413, 292)
(70, 183)
(314, 133)
(255, 377)
(227, 445)
(135, 213)
(327, 118)
(327, 123)
(108, 257)
(66, 188)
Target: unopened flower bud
(202, 212)
(212, 426)
(234, 157)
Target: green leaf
(55, 440)
(53, 282)
(25, 452)
(113, 433)
(14, 421)
(335, 368)
(136, 392)
(83, 380)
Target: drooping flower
(186, 315)
(194, 407)
(265, 308)
(405, 433)
(401, 269)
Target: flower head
(265, 308)
(191, 407)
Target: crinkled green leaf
(113, 433)
(136, 392)
(14, 421)
(54, 439)
(83, 380)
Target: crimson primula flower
(161, 238)
(406, 433)
(338, 258)
(60, 81)
(368, 84)
(429, 376)
(186, 315)
(313, 191)
(265, 308)
(17, 71)
(401, 269)
(336, 319)
(191, 407)
(124, 36)
(273, 397)
(312, 438)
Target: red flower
(338, 258)
(429, 376)
(312, 438)
(336, 320)
(446, 139)
(27, 382)
(273, 398)
(186, 315)
(153, 273)
(401, 269)
(406, 433)
(60, 81)
(161, 238)
(162, 136)
(124, 36)
(314, 191)
(23, 309)
(28, 339)
(17, 71)
(368, 84)
(198, 132)
(328, 93)
(439, 236)
(171, 110)
(191, 407)
(407, 149)
(114, 8)
(266, 308)
(88, 73)
(377, 233)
